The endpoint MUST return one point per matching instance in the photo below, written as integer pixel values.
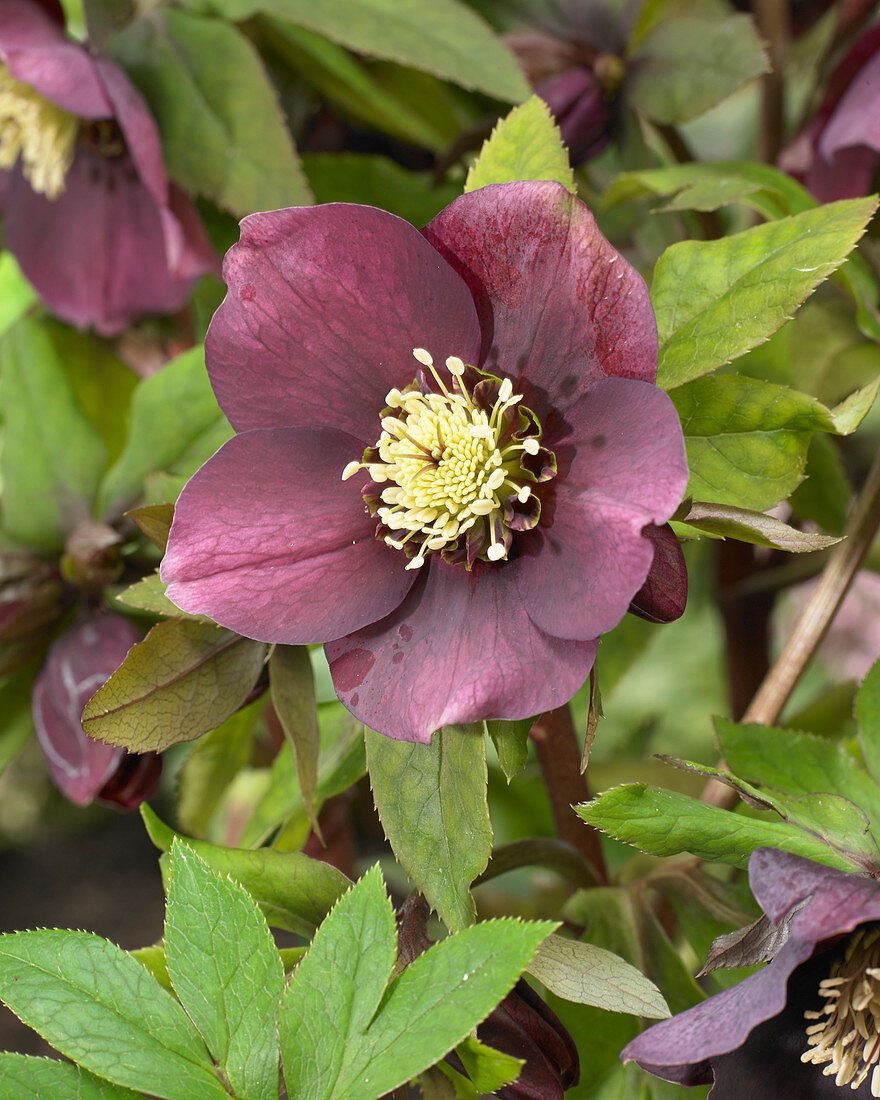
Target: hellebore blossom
(88, 210)
(807, 1025)
(80, 661)
(449, 450)
(837, 155)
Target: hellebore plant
(449, 449)
(837, 155)
(805, 1025)
(88, 210)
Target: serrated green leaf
(685, 66)
(211, 766)
(175, 426)
(665, 823)
(590, 975)
(525, 145)
(26, 1078)
(746, 440)
(714, 300)
(294, 891)
(487, 1068)
(756, 528)
(226, 970)
(52, 458)
(709, 186)
(511, 741)
(431, 800)
(868, 719)
(223, 131)
(181, 681)
(847, 416)
(96, 1004)
(336, 989)
(292, 686)
(443, 37)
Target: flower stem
(843, 563)
(559, 755)
(774, 25)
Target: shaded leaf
(753, 527)
(758, 942)
(155, 521)
(292, 686)
(511, 741)
(182, 680)
(377, 181)
(868, 719)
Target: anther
(455, 366)
(426, 359)
(350, 470)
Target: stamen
(43, 135)
(424, 357)
(846, 1041)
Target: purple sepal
(663, 596)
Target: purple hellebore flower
(80, 661)
(89, 213)
(807, 1025)
(837, 156)
(458, 535)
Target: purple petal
(556, 303)
(134, 781)
(622, 467)
(269, 541)
(37, 52)
(325, 306)
(856, 119)
(663, 596)
(78, 663)
(460, 648)
(847, 176)
(95, 254)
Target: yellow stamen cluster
(847, 1034)
(449, 467)
(43, 135)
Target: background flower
(88, 210)
(314, 339)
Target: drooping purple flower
(80, 661)
(837, 155)
(88, 210)
(449, 447)
(807, 1025)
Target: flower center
(847, 1035)
(454, 468)
(35, 129)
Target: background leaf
(292, 685)
(432, 803)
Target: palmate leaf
(349, 1033)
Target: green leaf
(223, 131)
(211, 766)
(824, 494)
(746, 440)
(181, 681)
(590, 975)
(377, 181)
(175, 426)
(525, 145)
(715, 300)
(148, 594)
(337, 1045)
(96, 1004)
(15, 706)
(155, 521)
(52, 458)
(26, 1078)
(292, 686)
(847, 416)
(868, 719)
(685, 66)
(665, 823)
(432, 803)
(226, 971)
(336, 989)
(708, 186)
(153, 958)
(294, 891)
(443, 37)
(16, 293)
(753, 527)
(487, 1068)
(511, 741)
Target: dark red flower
(88, 210)
(80, 661)
(807, 1025)
(510, 489)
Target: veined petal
(325, 306)
(558, 306)
(269, 541)
(460, 648)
